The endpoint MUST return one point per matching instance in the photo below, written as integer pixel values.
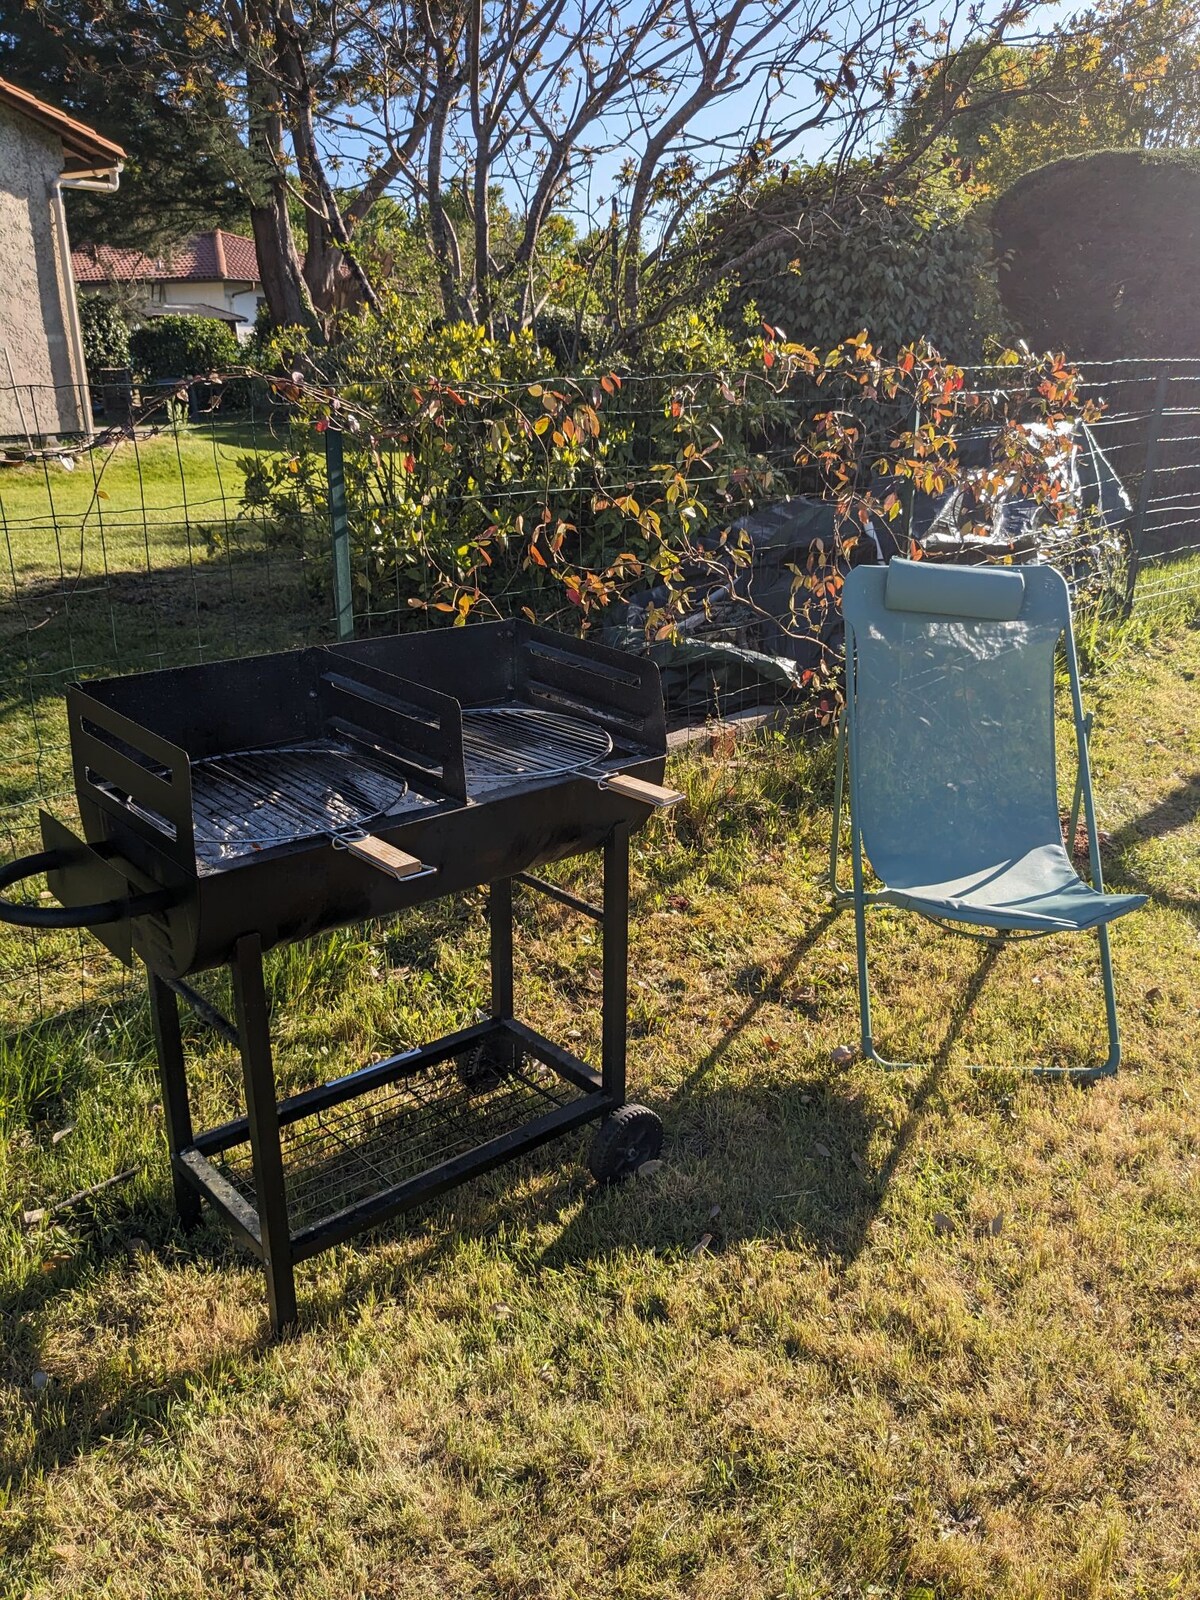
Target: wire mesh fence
(208, 520)
(409, 510)
(126, 554)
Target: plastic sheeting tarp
(752, 636)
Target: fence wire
(148, 546)
(132, 554)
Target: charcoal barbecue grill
(231, 807)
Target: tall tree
(644, 113)
(103, 64)
(1116, 76)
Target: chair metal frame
(861, 899)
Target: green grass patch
(941, 1343)
(139, 557)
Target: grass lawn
(920, 1336)
(139, 557)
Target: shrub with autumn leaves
(481, 483)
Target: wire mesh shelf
(345, 1154)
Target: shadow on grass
(785, 1156)
(790, 1156)
(1177, 808)
(221, 603)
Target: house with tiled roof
(43, 152)
(212, 274)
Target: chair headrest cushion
(994, 594)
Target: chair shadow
(779, 1158)
(1176, 809)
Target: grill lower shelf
(343, 1155)
(355, 1152)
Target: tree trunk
(279, 267)
(321, 260)
(284, 288)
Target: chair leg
(1073, 1074)
(1077, 798)
(841, 897)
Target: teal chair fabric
(949, 732)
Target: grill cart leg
(614, 1020)
(164, 1014)
(262, 1114)
(630, 1135)
(484, 1068)
(500, 928)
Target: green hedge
(1100, 254)
(183, 347)
(908, 262)
(105, 334)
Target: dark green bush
(183, 347)
(909, 262)
(1100, 254)
(105, 334)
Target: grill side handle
(121, 909)
(650, 794)
(386, 857)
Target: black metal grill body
(479, 753)
(141, 746)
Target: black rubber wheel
(624, 1141)
(486, 1066)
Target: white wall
(227, 296)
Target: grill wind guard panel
(466, 801)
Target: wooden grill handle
(396, 863)
(651, 794)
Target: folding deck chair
(949, 731)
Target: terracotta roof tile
(83, 147)
(213, 257)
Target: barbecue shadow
(64, 1421)
(784, 1157)
(783, 1161)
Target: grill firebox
(229, 807)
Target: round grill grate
(249, 799)
(502, 742)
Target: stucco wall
(35, 301)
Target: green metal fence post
(339, 530)
(1149, 468)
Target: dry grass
(943, 1342)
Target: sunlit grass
(942, 1341)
